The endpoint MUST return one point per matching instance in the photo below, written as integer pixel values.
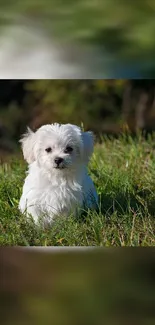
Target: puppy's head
(58, 147)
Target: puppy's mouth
(59, 167)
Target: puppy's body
(56, 196)
(57, 190)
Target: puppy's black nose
(58, 160)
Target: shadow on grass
(124, 203)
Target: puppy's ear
(28, 143)
(88, 141)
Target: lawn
(123, 171)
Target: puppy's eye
(48, 149)
(68, 149)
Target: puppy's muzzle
(58, 162)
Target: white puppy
(57, 183)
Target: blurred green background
(104, 106)
(108, 38)
(102, 286)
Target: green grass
(124, 174)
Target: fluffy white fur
(52, 189)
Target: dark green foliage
(38, 102)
